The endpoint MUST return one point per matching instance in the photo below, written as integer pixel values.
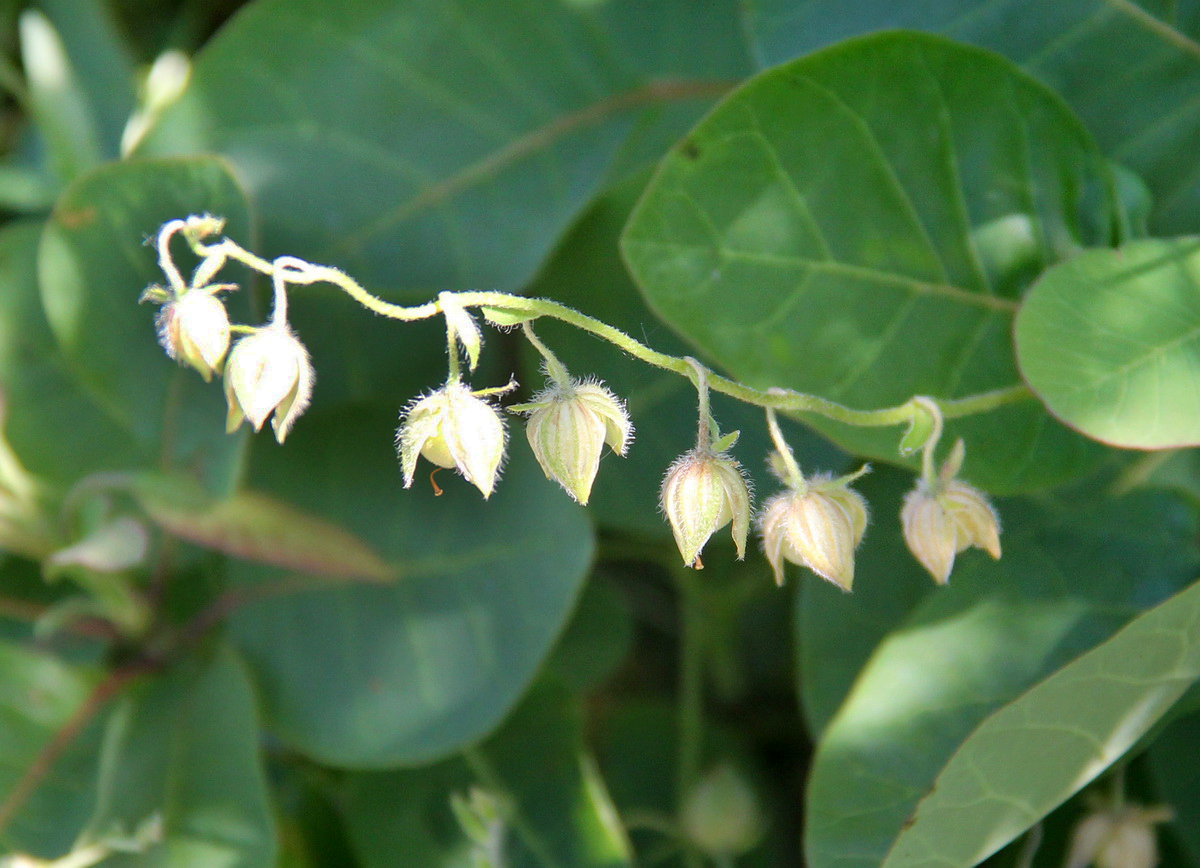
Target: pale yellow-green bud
(944, 518)
(453, 428)
(721, 815)
(268, 374)
(1117, 838)
(818, 527)
(194, 330)
(568, 427)
(701, 493)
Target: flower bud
(944, 518)
(268, 374)
(1117, 838)
(453, 428)
(818, 527)
(701, 493)
(568, 427)
(194, 330)
(721, 815)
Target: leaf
(586, 273)
(1146, 117)
(1170, 762)
(184, 747)
(397, 141)
(257, 527)
(92, 266)
(836, 633)
(553, 802)
(597, 639)
(1068, 581)
(859, 223)
(38, 697)
(1034, 753)
(1109, 341)
(375, 676)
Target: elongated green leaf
(1111, 342)
(1067, 582)
(372, 676)
(258, 528)
(183, 747)
(1146, 116)
(586, 273)
(93, 265)
(552, 803)
(1030, 756)
(859, 223)
(398, 140)
(38, 697)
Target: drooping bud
(568, 427)
(702, 492)
(194, 330)
(453, 428)
(721, 815)
(268, 374)
(1118, 838)
(945, 516)
(818, 526)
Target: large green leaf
(431, 145)
(837, 632)
(372, 676)
(92, 267)
(57, 430)
(860, 223)
(1110, 341)
(183, 748)
(1033, 754)
(551, 800)
(1068, 581)
(1143, 112)
(586, 273)
(38, 697)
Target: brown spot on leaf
(77, 218)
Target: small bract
(194, 330)
(455, 429)
(701, 493)
(268, 374)
(567, 429)
(818, 527)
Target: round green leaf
(1111, 342)
(374, 676)
(860, 224)
(92, 266)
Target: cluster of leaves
(214, 650)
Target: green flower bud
(1118, 838)
(721, 815)
(453, 428)
(701, 493)
(818, 527)
(194, 330)
(944, 518)
(568, 427)
(268, 374)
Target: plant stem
(691, 694)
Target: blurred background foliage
(217, 651)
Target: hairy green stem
(555, 369)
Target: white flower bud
(194, 330)
(454, 429)
(944, 518)
(721, 815)
(818, 528)
(1118, 838)
(268, 374)
(701, 493)
(568, 427)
